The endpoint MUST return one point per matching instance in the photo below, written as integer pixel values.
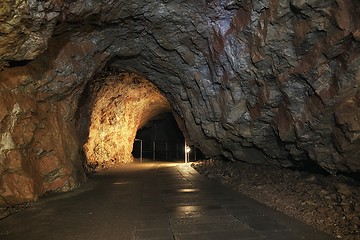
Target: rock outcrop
(38, 150)
(266, 82)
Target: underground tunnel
(264, 83)
(116, 107)
(160, 139)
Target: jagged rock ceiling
(267, 82)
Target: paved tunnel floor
(152, 201)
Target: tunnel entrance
(117, 106)
(125, 118)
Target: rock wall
(38, 150)
(26, 27)
(267, 82)
(299, 65)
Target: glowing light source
(187, 152)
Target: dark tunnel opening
(161, 139)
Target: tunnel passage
(120, 104)
(248, 83)
(159, 139)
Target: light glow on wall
(122, 105)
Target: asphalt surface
(153, 200)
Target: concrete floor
(153, 200)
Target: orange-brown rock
(16, 188)
(38, 148)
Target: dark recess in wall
(18, 63)
(309, 166)
(354, 175)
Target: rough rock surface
(328, 203)
(268, 82)
(25, 27)
(121, 105)
(38, 150)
